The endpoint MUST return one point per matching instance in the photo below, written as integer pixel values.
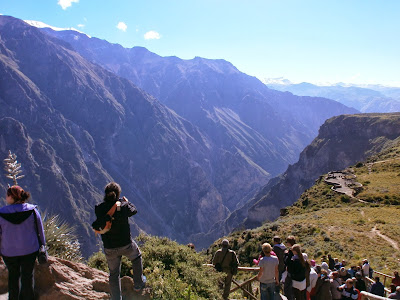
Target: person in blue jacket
(19, 242)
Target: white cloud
(152, 35)
(66, 3)
(355, 76)
(81, 25)
(122, 26)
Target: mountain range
(188, 140)
(366, 98)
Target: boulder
(65, 280)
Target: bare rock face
(64, 280)
(342, 141)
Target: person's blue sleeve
(40, 227)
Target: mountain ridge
(367, 99)
(184, 167)
(328, 222)
(342, 141)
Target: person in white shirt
(313, 280)
(365, 271)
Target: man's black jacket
(120, 234)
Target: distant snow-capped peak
(39, 24)
(278, 80)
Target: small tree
(13, 168)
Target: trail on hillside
(394, 244)
(369, 165)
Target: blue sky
(315, 41)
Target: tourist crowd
(284, 267)
(301, 278)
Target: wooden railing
(243, 286)
(369, 296)
(371, 281)
(384, 276)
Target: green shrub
(98, 260)
(345, 199)
(173, 271)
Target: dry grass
(326, 222)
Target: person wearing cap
(224, 257)
(21, 233)
(365, 270)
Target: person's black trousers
(20, 267)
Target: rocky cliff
(76, 126)
(341, 142)
(258, 131)
(63, 279)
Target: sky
(329, 41)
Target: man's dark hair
(112, 192)
(277, 239)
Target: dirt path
(394, 244)
(369, 165)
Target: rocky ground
(62, 279)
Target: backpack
(218, 266)
(280, 253)
(96, 224)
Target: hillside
(341, 142)
(324, 221)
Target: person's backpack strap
(227, 250)
(108, 223)
(218, 266)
